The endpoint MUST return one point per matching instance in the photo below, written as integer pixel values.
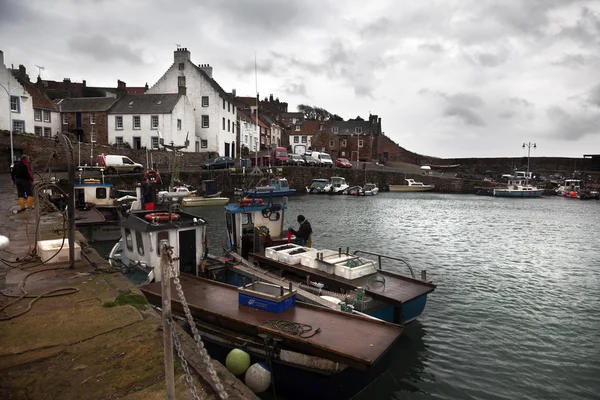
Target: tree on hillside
(317, 113)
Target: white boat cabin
(93, 192)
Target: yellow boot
(22, 204)
(30, 202)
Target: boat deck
(352, 340)
(396, 290)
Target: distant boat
(337, 186)
(206, 196)
(317, 186)
(570, 188)
(277, 187)
(370, 189)
(411, 186)
(519, 188)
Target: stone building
(86, 117)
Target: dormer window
(297, 127)
(358, 130)
(334, 129)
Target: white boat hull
(204, 201)
(518, 193)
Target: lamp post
(528, 145)
(9, 92)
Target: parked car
(219, 163)
(279, 156)
(323, 159)
(309, 161)
(342, 163)
(115, 163)
(295, 159)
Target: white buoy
(237, 361)
(258, 378)
(4, 242)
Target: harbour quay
(81, 331)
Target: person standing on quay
(148, 194)
(22, 177)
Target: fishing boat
(277, 187)
(570, 188)
(208, 195)
(411, 186)
(317, 186)
(337, 185)
(370, 189)
(519, 188)
(316, 364)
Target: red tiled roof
(260, 122)
(40, 100)
(306, 128)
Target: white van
(121, 164)
(323, 159)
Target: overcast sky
(451, 78)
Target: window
(246, 139)
(119, 122)
(331, 144)
(296, 139)
(15, 105)
(18, 126)
(119, 141)
(140, 242)
(228, 106)
(178, 124)
(334, 129)
(37, 114)
(197, 146)
(205, 121)
(358, 129)
(228, 125)
(136, 122)
(154, 142)
(204, 101)
(344, 143)
(38, 131)
(181, 66)
(128, 240)
(297, 127)
(223, 104)
(92, 118)
(223, 123)
(360, 143)
(48, 132)
(46, 116)
(101, 193)
(65, 119)
(204, 143)
(154, 122)
(181, 81)
(233, 110)
(303, 139)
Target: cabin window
(128, 240)
(101, 193)
(283, 183)
(160, 237)
(246, 219)
(139, 242)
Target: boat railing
(380, 256)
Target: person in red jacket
(22, 177)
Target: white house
(301, 135)
(214, 111)
(14, 95)
(141, 120)
(248, 133)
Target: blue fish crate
(266, 296)
(267, 305)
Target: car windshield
(281, 153)
(342, 160)
(326, 157)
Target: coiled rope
(292, 328)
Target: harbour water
(516, 314)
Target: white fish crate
(327, 264)
(47, 250)
(310, 260)
(293, 259)
(272, 252)
(363, 267)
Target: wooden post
(424, 275)
(166, 314)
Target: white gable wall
(197, 86)
(25, 112)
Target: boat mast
(257, 128)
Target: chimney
(1, 57)
(67, 80)
(181, 55)
(83, 83)
(146, 87)
(233, 93)
(121, 88)
(206, 68)
(271, 98)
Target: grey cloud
(518, 101)
(573, 127)
(295, 89)
(593, 95)
(435, 47)
(490, 60)
(507, 114)
(464, 114)
(14, 12)
(102, 49)
(587, 29)
(463, 100)
(262, 67)
(575, 60)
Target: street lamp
(528, 145)
(9, 92)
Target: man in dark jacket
(304, 233)
(22, 177)
(148, 194)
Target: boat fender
(237, 361)
(258, 378)
(162, 217)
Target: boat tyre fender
(162, 217)
(266, 213)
